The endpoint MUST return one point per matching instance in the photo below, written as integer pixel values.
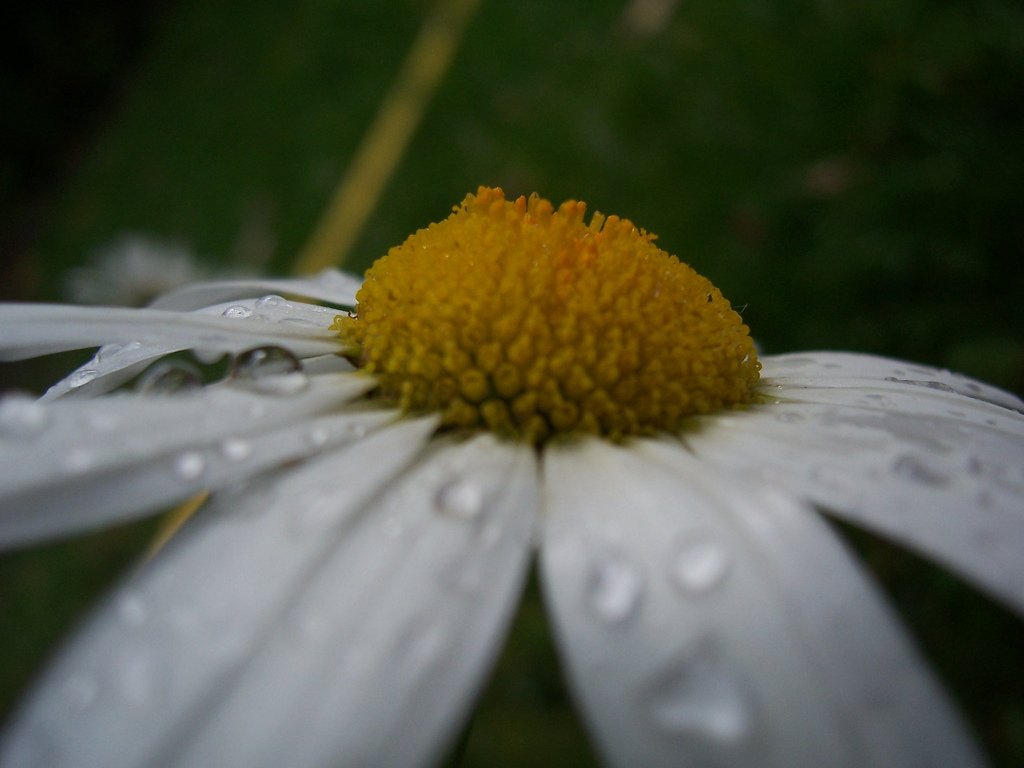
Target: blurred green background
(849, 172)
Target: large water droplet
(170, 379)
(269, 302)
(614, 588)
(21, 415)
(111, 351)
(269, 370)
(81, 377)
(237, 311)
(189, 466)
(914, 468)
(699, 566)
(460, 499)
(700, 695)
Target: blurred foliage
(849, 172)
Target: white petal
(87, 462)
(109, 368)
(934, 470)
(301, 626)
(174, 638)
(30, 330)
(379, 660)
(851, 369)
(100, 498)
(707, 622)
(330, 286)
(114, 364)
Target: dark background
(850, 172)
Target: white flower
(340, 599)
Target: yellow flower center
(525, 320)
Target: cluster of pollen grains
(526, 320)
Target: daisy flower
(508, 381)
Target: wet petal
(379, 660)
(87, 462)
(845, 369)
(706, 621)
(330, 286)
(31, 330)
(114, 364)
(937, 471)
(312, 621)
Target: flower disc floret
(527, 321)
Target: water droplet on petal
(270, 301)
(81, 377)
(460, 499)
(170, 379)
(189, 466)
(699, 566)
(237, 311)
(21, 415)
(109, 351)
(236, 449)
(614, 587)
(914, 468)
(700, 695)
(288, 384)
(269, 370)
(257, 363)
(207, 356)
